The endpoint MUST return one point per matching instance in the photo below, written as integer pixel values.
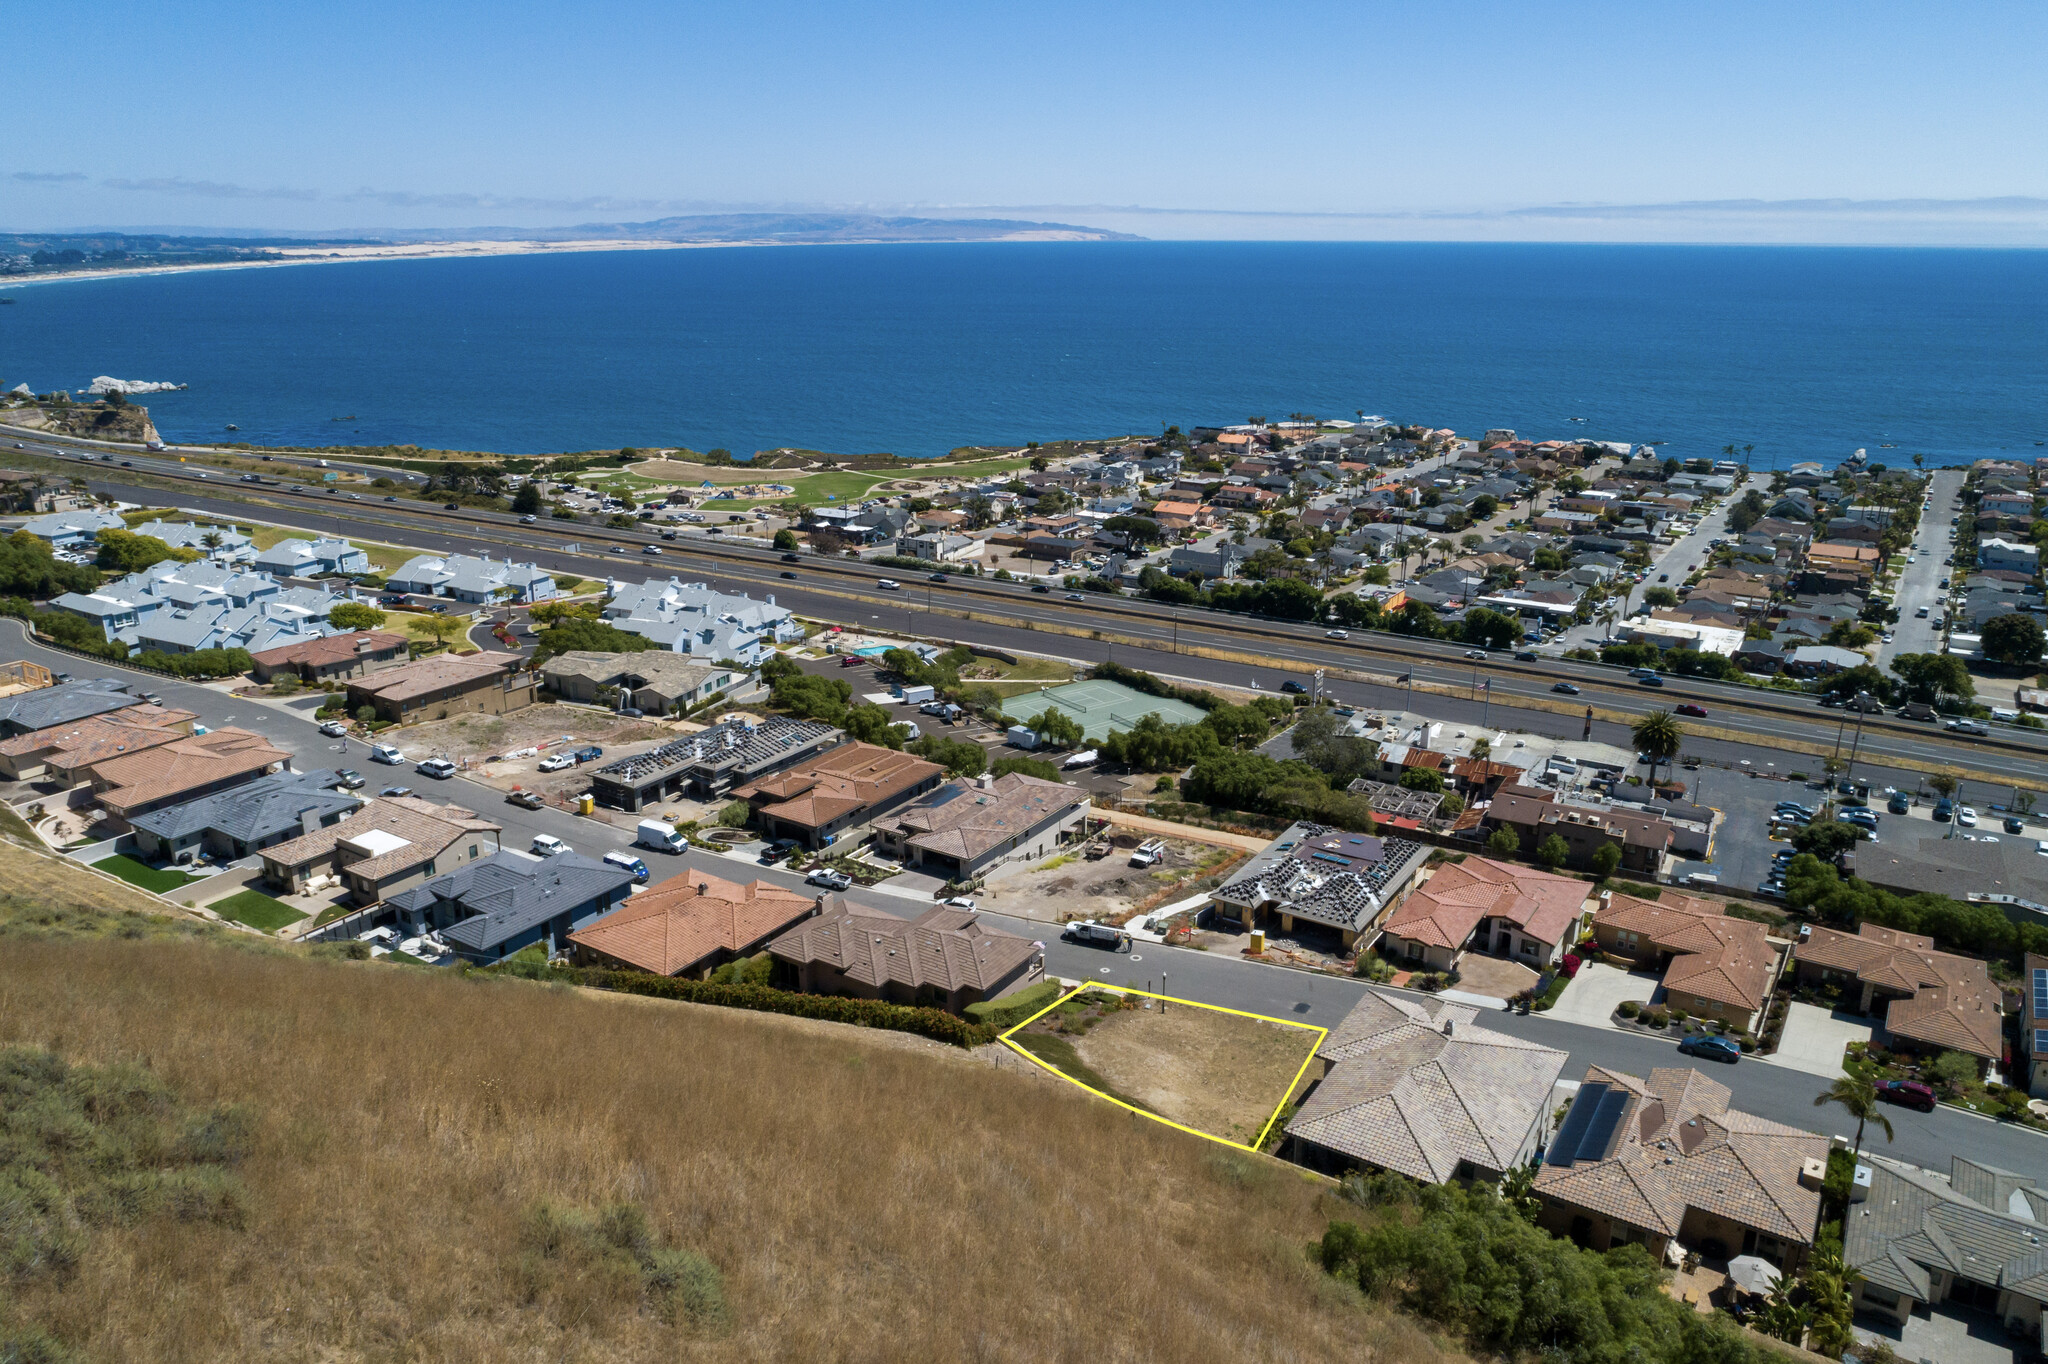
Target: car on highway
(618, 549)
(1475, 653)
(1711, 1048)
(786, 574)
(396, 791)
(1696, 712)
(1564, 689)
(348, 779)
(1651, 681)
(1336, 634)
(528, 519)
(1527, 656)
(390, 499)
(650, 549)
(829, 879)
(1910, 1093)
(1040, 587)
(526, 800)
(792, 558)
(451, 506)
(252, 478)
(557, 763)
(1293, 688)
(547, 845)
(888, 584)
(440, 769)
(1074, 596)
(938, 578)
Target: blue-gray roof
(508, 893)
(63, 704)
(259, 809)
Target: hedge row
(936, 1024)
(1007, 1012)
(1145, 682)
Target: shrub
(1657, 1018)
(1012, 1009)
(1629, 1008)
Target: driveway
(1598, 990)
(1814, 1039)
(1953, 1335)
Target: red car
(1697, 712)
(1911, 1093)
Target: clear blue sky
(441, 114)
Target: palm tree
(1856, 1096)
(1660, 735)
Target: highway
(1161, 638)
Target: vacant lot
(480, 736)
(1220, 1073)
(1109, 890)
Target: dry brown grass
(862, 1202)
(1219, 1073)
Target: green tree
(354, 615)
(1055, 728)
(442, 628)
(1945, 783)
(960, 758)
(1934, 678)
(1422, 779)
(1660, 735)
(1660, 596)
(1552, 852)
(786, 541)
(2015, 639)
(1856, 1096)
(1505, 842)
(572, 631)
(122, 551)
(1030, 767)
(1953, 1069)
(1548, 561)
(1604, 860)
(870, 724)
(527, 501)
(1490, 628)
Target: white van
(385, 753)
(660, 835)
(547, 845)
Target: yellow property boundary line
(1320, 1032)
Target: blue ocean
(1804, 353)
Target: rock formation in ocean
(104, 384)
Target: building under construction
(712, 762)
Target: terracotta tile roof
(431, 675)
(330, 649)
(1416, 1086)
(1445, 909)
(1715, 957)
(964, 821)
(134, 781)
(414, 831)
(1951, 1002)
(849, 778)
(101, 737)
(683, 921)
(1678, 1145)
(946, 948)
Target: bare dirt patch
(1216, 1072)
(1110, 889)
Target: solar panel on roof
(1599, 1141)
(2040, 992)
(2041, 1042)
(1330, 857)
(1564, 1148)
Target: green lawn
(256, 910)
(136, 874)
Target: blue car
(1711, 1048)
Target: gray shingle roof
(508, 893)
(1914, 1221)
(259, 809)
(63, 704)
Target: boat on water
(233, 427)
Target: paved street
(1668, 569)
(1920, 584)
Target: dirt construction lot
(1216, 1072)
(470, 739)
(1069, 886)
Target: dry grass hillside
(491, 1170)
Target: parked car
(1910, 1093)
(547, 845)
(1966, 817)
(385, 753)
(557, 762)
(334, 729)
(1696, 712)
(348, 779)
(2015, 825)
(1900, 803)
(829, 879)
(1944, 810)
(526, 800)
(776, 851)
(440, 769)
(1092, 934)
(1565, 689)
(1711, 1048)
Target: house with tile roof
(964, 828)
(390, 844)
(1929, 1001)
(440, 685)
(1714, 966)
(357, 653)
(188, 767)
(1978, 1238)
(1314, 874)
(819, 801)
(1534, 814)
(945, 958)
(1649, 1162)
(243, 819)
(1416, 1086)
(654, 680)
(691, 925)
(58, 752)
(491, 907)
(1515, 912)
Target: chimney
(1448, 1022)
(703, 887)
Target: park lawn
(1019, 678)
(836, 486)
(412, 625)
(254, 908)
(137, 874)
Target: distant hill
(791, 228)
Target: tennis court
(1101, 708)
